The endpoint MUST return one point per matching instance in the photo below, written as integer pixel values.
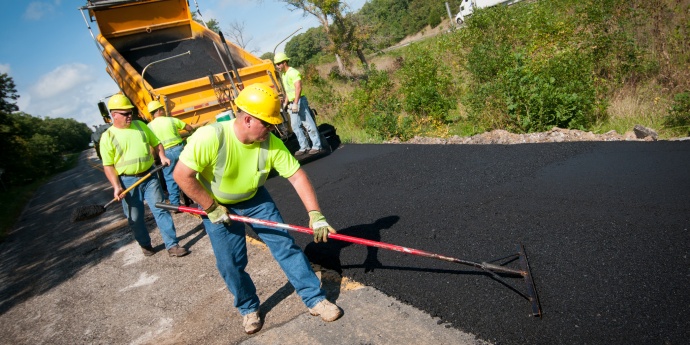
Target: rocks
(642, 132)
(555, 135)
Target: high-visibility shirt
(128, 149)
(167, 130)
(230, 170)
(289, 78)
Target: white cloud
(37, 10)
(62, 79)
(5, 68)
(69, 91)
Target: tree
(341, 35)
(306, 46)
(213, 25)
(8, 94)
(237, 35)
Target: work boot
(300, 152)
(177, 251)
(147, 250)
(252, 323)
(315, 151)
(327, 310)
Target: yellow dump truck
(155, 50)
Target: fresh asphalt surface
(605, 226)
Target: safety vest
(289, 78)
(126, 162)
(165, 129)
(216, 186)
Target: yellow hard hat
(280, 57)
(153, 106)
(260, 101)
(118, 102)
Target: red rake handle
(345, 238)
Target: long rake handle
(142, 179)
(351, 239)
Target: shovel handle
(142, 179)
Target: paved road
(605, 225)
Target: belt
(141, 174)
(180, 144)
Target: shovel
(92, 211)
(492, 269)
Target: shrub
(425, 87)
(678, 117)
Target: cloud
(5, 68)
(37, 10)
(69, 91)
(62, 79)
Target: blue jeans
(173, 155)
(230, 248)
(133, 205)
(303, 117)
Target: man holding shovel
(126, 154)
(224, 166)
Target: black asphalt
(605, 226)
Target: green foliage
(375, 106)
(560, 94)
(35, 147)
(528, 78)
(306, 46)
(8, 94)
(678, 117)
(525, 67)
(425, 87)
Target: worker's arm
(159, 150)
(114, 180)
(305, 190)
(298, 94)
(186, 179)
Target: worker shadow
(325, 257)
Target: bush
(426, 89)
(678, 118)
(374, 105)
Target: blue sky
(47, 49)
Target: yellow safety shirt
(167, 130)
(128, 149)
(230, 170)
(289, 78)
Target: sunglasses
(264, 123)
(129, 113)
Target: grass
(15, 198)
(644, 106)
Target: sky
(46, 47)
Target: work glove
(217, 213)
(294, 108)
(320, 226)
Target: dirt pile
(555, 135)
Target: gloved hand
(217, 213)
(320, 226)
(294, 107)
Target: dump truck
(155, 50)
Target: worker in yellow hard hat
(126, 154)
(167, 129)
(298, 107)
(223, 168)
